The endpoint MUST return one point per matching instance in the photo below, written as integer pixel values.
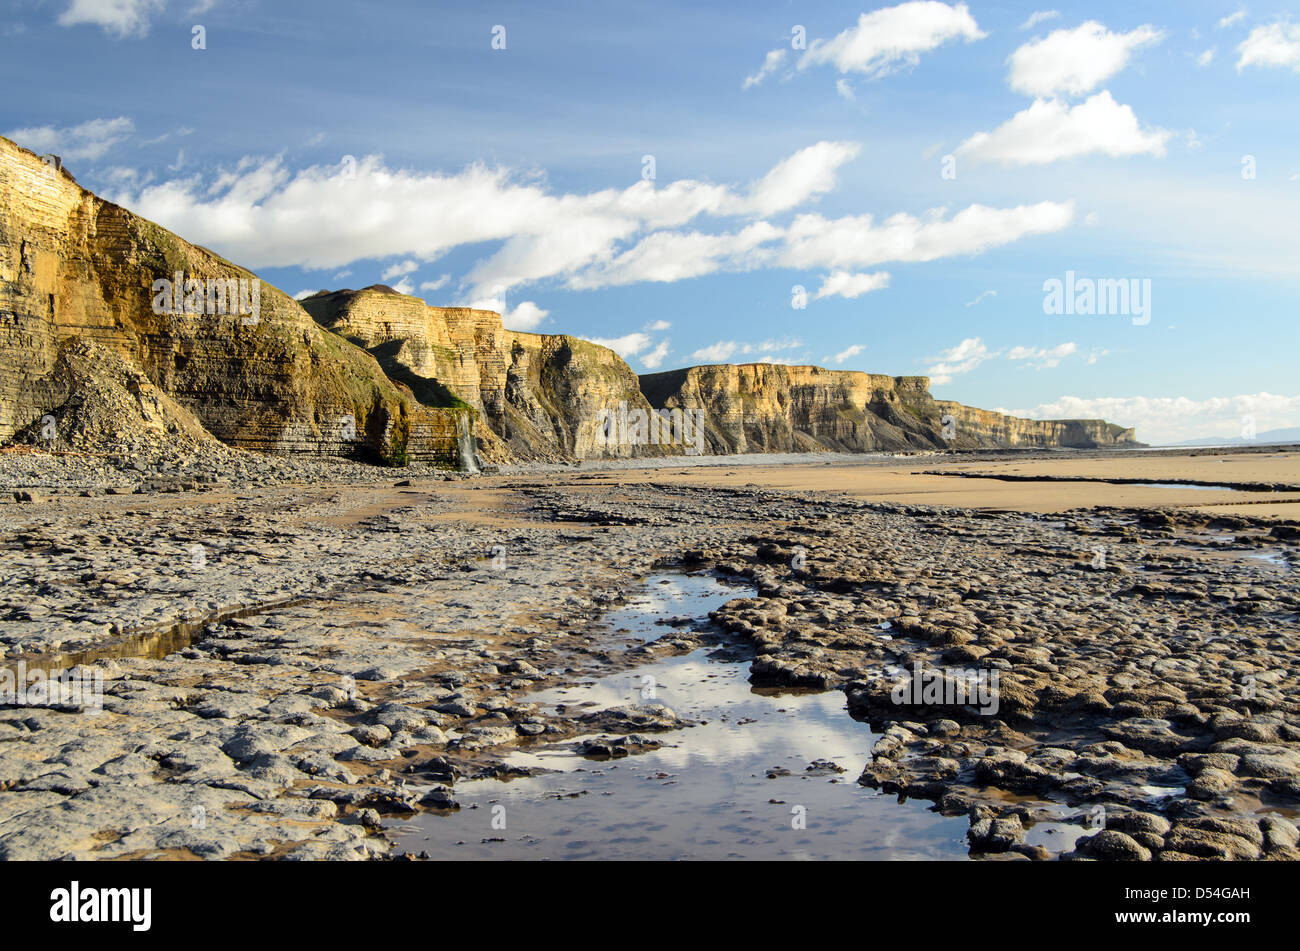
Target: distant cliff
(75, 268)
(539, 395)
(761, 407)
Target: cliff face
(539, 396)
(762, 407)
(76, 268)
(380, 373)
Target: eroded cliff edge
(538, 396)
(761, 407)
(75, 269)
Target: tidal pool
(706, 794)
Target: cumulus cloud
(1051, 130)
(771, 63)
(435, 285)
(525, 316)
(850, 285)
(328, 217)
(1275, 45)
(119, 18)
(658, 325)
(401, 268)
(1163, 420)
(963, 358)
(669, 256)
(655, 358)
(1073, 62)
(813, 241)
(807, 173)
(1042, 357)
(89, 140)
(724, 350)
(305, 294)
(262, 214)
(846, 354)
(886, 40)
(628, 345)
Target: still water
(707, 793)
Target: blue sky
(920, 169)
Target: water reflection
(706, 796)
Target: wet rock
(990, 834)
(1113, 846)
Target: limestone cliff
(376, 372)
(761, 407)
(74, 267)
(539, 396)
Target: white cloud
(886, 39)
(401, 268)
(806, 174)
(658, 325)
(404, 286)
(1231, 19)
(1206, 58)
(668, 256)
(771, 63)
(263, 215)
(844, 89)
(962, 358)
(526, 316)
(1042, 357)
(89, 140)
(327, 217)
(1039, 16)
(857, 241)
(1275, 45)
(304, 294)
(850, 285)
(1073, 62)
(628, 345)
(1161, 420)
(980, 297)
(723, 350)
(435, 285)
(846, 354)
(717, 352)
(1051, 130)
(655, 358)
(117, 17)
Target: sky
(1076, 210)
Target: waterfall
(465, 445)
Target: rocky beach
(299, 658)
